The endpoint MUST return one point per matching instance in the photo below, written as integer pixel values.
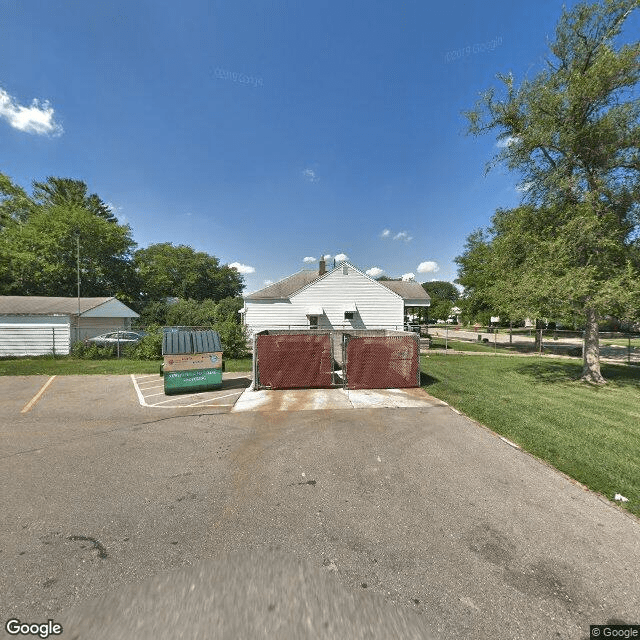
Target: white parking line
(174, 402)
(187, 395)
(216, 398)
(137, 388)
(202, 405)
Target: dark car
(115, 337)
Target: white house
(39, 325)
(342, 298)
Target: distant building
(40, 325)
(341, 298)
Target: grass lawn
(74, 366)
(621, 342)
(590, 433)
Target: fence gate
(381, 362)
(296, 360)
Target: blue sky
(267, 132)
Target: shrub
(149, 348)
(91, 351)
(234, 339)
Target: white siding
(378, 307)
(91, 327)
(34, 335)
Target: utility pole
(78, 274)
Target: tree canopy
(40, 254)
(572, 135)
(165, 271)
(443, 297)
(38, 251)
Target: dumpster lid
(182, 342)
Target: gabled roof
(407, 290)
(287, 287)
(46, 305)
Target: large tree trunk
(591, 358)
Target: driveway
(418, 506)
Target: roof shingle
(45, 305)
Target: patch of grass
(241, 364)
(74, 366)
(590, 433)
(621, 342)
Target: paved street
(417, 507)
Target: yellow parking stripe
(29, 405)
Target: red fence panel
(293, 361)
(382, 362)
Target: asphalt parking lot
(416, 506)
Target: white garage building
(42, 325)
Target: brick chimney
(322, 266)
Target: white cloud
(327, 256)
(375, 272)
(242, 268)
(309, 259)
(507, 142)
(386, 233)
(428, 266)
(524, 187)
(37, 119)
(403, 235)
(267, 282)
(310, 175)
(407, 277)
(341, 257)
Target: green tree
(572, 134)
(443, 296)
(166, 271)
(66, 192)
(40, 254)
(15, 204)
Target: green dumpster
(192, 361)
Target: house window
(349, 315)
(313, 322)
(345, 270)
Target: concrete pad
(387, 398)
(266, 400)
(292, 400)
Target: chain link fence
(620, 347)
